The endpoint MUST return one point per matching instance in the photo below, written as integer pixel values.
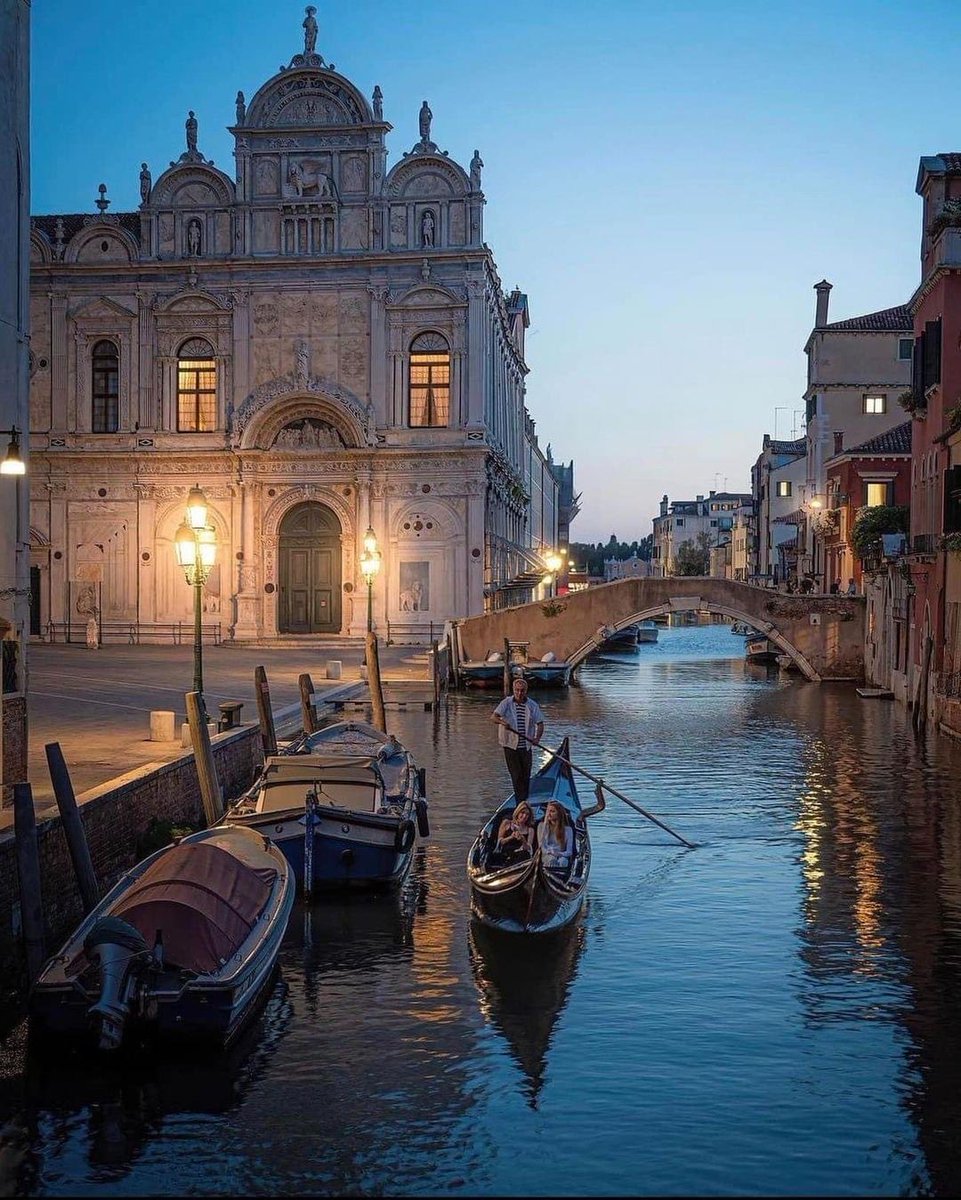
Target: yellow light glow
(197, 508)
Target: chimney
(713, 491)
(664, 505)
(838, 441)
(823, 290)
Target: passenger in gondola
(515, 837)
(555, 838)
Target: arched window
(105, 388)
(429, 380)
(196, 387)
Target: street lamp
(553, 562)
(369, 566)
(196, 545)
(12, 463)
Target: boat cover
(203, 899)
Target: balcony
(924, 545)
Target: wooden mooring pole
(72, 827)
(507, 667)
(373, 681)
(211, 794)
(308, 713)
(28, 865)
(268, 734)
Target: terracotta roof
(892, 441)
(74, 222)
(897, 318)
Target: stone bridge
(824, 635)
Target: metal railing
(397, 630)
(924, 543)
(134, 633)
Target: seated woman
(555, 838)
(515, 837)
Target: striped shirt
(523, 717)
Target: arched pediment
(306, 98)
(102, 243)
(40, 251)
(192, 185)
(426, 176)
(289, 400)
(193, 300)
(427, 295)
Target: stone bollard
(334, 666)
(163, 726)
(185, 739)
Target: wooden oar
(614, 792)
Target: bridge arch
(823, 635)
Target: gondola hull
(529, 897)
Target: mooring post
(268, 734)
(28, 865)
(507, 667)
(308, 714)
(373, 680)
(72, 827)
(211, 794)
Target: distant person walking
(852, 588)
(520, 721)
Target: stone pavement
(97, 703)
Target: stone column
(247, 623)
(475, 351)
(59, 400)
(474, 540)
(144, 411)
(378, 355)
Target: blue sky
(667, 181)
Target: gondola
(526, 896)
(184, 946)
(344, 804)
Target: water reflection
(523, 987)
(774, 1012)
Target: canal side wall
(827, 631)
(116, 816)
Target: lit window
(784, 487)
(196, 387)
(905, 349)
(105, 390)
(877, 493)
(874, 404)
(429, 380)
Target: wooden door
(310, 571)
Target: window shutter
(932, 352)
(917, 369)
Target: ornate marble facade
(293, 299)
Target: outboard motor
(114, 946)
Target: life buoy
(404, 837)
(423, 822)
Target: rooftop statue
(310, 31)
(378, 103)
(426, 116)
(475, 171)
(191, 127)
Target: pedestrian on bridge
(520, 722)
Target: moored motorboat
(184, 946)
(343, 804)
(545, 672)
(759, 649)
(647, 632)
(528, 896)
(623, 638)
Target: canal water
(777, 1011)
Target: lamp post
(553, 562)
(196, 545)
(369, 566)
(12, 464)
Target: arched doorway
(310, 571)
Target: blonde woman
(555, 837)
(516, 833)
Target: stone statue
(426, 116)
(193, 237)
(427, 229)
(295, 174)
(310, 31)
(475, 171)
(191, 126)
(378, 103)
(241, 108)
(145, 183)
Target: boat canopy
(341, 782)
(202, 899)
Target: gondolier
(520, 721)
